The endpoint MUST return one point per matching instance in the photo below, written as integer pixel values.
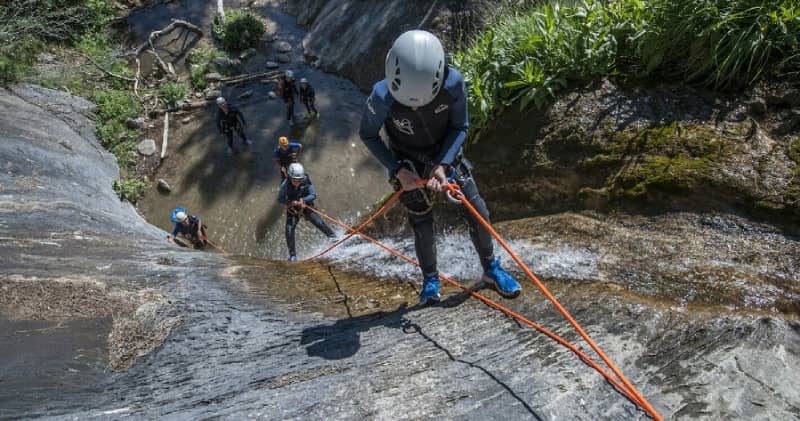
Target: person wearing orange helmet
(285, 153)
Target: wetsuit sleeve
(176, 230)
(219, 120)
(370, 131)
(282, 194)
(275, 153)
(459, 123)
(295, 145)
(311, 93)
(311, 194)
(240, 116)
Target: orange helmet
(283, 141)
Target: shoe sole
(430, 300)
(491, 281)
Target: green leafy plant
(241, 30)
(525, 58)
(130, 189)
(201, 61)
(173, 92)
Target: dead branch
(176, 23)
(136, 82)
(107, 72)
(246, 78)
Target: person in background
(230, 120)
(287, 89)
(422, 105)
(307, 95)
(188, 226)
(296, 193)
(285, 153)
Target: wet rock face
(658, 148)
(351, 37)
(253, 339)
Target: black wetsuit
(288, 90)
(308, 97)
(420, 140)
(304, 191)
(229, 122)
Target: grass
(527, 57)
(242, 29)
(173, 92)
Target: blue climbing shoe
(503, 282)
(292, 258)
(430, 290)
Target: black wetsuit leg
(291, 224)
(481, 238)
(317, 221)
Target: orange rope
(630, 392)
(388, 204)
(456, 192)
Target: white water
(457, 258)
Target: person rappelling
(190, 227)
(422, 105)
(297, 194)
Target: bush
(172, 92)
(528, 57)
(27, 25)
(200, 61)
(241, 30)
(130, 189)
(115, 104)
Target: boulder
(271, 65)
(163, 186)
(146, 147)
(272, 95)
(283, 47)
(246, 54)
(135, 123)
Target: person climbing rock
(295, 193)
(287, 89)
(422, 104)
(308, 97)
(190, 227)
(285, 153)
(229, 120)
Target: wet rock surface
(351, 37)
(267, 339)
(651, 149)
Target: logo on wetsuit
(404, 126)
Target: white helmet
(220, 100)
(415, 68)
(181, 216)
(290, 74)
(296, 170)
(303, 80)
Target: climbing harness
(620, 382)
